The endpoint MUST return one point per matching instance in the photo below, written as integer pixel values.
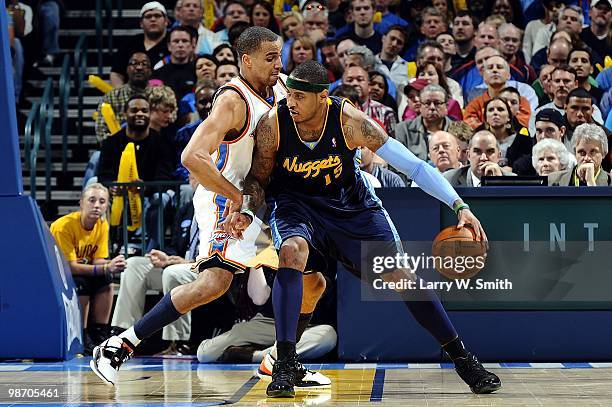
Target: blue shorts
(334, 236)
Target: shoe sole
(281, 394)
(486, 389)
(94, 367)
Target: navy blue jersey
(325, 176)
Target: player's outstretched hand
(466, 217)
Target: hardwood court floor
(182, 382)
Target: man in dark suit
(484, 155)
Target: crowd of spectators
(499, 88)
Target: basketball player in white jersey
(219, 156)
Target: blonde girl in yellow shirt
(83, 239)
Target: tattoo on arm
(349, 134)
(253, 187)
(373, 136)
(264, 155)
(360, 130)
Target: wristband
(245, 209)
(248, 213)
(105, 268)
(460, 206)
(95, 270)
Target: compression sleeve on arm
(429, 178)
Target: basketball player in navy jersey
(304, 158)
(219, 156)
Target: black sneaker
(284, 376)
(116, 331)
(88, 344)
(476, 376)
(98, 333)
(305, 378)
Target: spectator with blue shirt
(204, 95)
(363, 57)
(597, 34)
(432, 24)
(389, 61)
(292, 26)
(604, 79)
(205, 68)
(233, 12)
(302, 49)
(388, 18)
(362, 31)
(191, 15)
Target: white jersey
(233, 159)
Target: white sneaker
(306, 378)
(108, 358)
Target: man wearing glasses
(138, 74)
(433, 117)
(154, 22)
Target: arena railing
(159, 188)
(39, 123)
(80, 70)
(64, 95)
(105, 6)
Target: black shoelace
(116, 355)
(285, 370)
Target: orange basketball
(457, 253)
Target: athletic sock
(455, 349)
(130, 337)
(427, 309)
(286, 302)
(163, 313)
(302, 324)
(285, 349)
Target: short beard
(140, 84)
(137, 128)
(154, 36)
